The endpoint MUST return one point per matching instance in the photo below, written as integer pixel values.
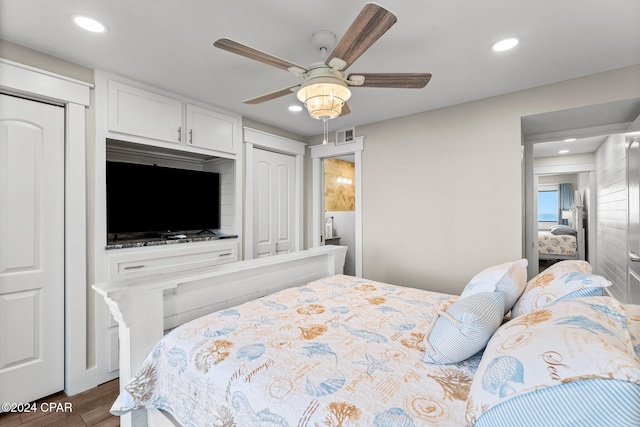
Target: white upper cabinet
(142, 113)
(155, 117)
(209, 129)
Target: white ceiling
(169, 44)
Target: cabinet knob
(190, 136)
(179, 133)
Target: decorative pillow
(633, 323)
(562, 230)
(566, 265)
(571, 362)
(509, 278)
(464, 328)
(556, 285)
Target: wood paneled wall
(611, 196)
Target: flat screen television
(155, 199)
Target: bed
(564, 243)
(346, 351)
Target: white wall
(455, 205)
(611, 184)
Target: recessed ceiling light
(569, 140)
(295, 108)
(563, 151)
(89, 24)
(506, 44)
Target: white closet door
(31, 249)
(273, 203)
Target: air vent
(345, 136)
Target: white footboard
(146, 306)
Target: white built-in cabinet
(209, 129)
(139, 123)
(148, 114)
(134, 111)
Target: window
(548, 206)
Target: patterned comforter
(339, 351)
(551, 244)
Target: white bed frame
(578, 225)
(141, 310)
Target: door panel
(31, 249)
(264, 244)
(284, 200)
(273, 203)
(633, 184)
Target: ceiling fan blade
(395, 80)
(251, 53)
(270, 96)
(345, 110)
(372, 22)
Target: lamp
(568, 215)
(324, 94)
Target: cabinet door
(138, 112)
(209, 129)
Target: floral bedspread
(339, 351)
(551, 244)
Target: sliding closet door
(31, 249)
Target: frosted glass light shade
(324, 98)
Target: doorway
(352, 239)
(339, 206)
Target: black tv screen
(144, 198)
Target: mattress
(551, 244)
(339, 351)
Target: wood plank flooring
(89, 408)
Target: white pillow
(576, 349)
(464, 328)
(509, 278)
(558, 284)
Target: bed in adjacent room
(563, 242)
(346, 351)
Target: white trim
(23, 79)
(74, 95)
(275, 143)
(561, 169)
(578, 133)
(323, 151)
(256, 139)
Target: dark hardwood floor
(89, 408)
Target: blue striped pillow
(570, 363)
(464, 328)
(593, 402)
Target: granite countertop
(157, 241)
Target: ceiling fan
(325, 86)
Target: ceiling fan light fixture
(324, 96)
